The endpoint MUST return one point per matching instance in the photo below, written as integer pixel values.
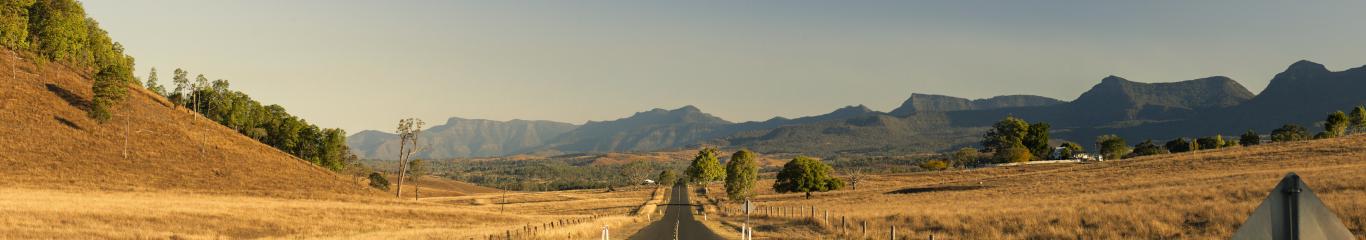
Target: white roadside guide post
(605, 235)
(745, 232)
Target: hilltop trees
(153, 85)
(1146, 148)
(1289, 133)
(1211, 142)
(804, 174)
(1180, 145)
(1358, 119)
(1336, 124)
(1250, 138)
(1112, 146)
(14, 21)
(705, 167)
(269, 124)
(741, 172)
(59, 31)
(182, 87)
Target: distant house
(1057, 154)
(1089, 157)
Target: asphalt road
(677, 221)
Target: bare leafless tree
(855, 175)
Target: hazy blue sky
(365, 64)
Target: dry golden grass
(65, 176)
(429, 186)
(49, 142)
(41, 213)
(1203, 195)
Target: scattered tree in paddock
(1005, 134)
(668, 177)
(378, 181)
(416, 169)
(705, 167)
(1018, 153)
(804, 174)
(408, 131)
(741, 172)
(635, 172)
(855, 176)
(1112, 146)
(965, 157)
(1036, 140)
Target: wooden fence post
(844, 226)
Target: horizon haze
(575, 62)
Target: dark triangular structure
(1292, 212)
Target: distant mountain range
(460, 138)
(1302, 94)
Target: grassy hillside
(149, 144)
(1201, 195)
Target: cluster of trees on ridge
(1016, 140)
(59, 31)
(269, 124)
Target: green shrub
(378, 181)
(935, 165)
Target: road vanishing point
(678, 221)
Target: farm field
(1201, 195)
(43, 213)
